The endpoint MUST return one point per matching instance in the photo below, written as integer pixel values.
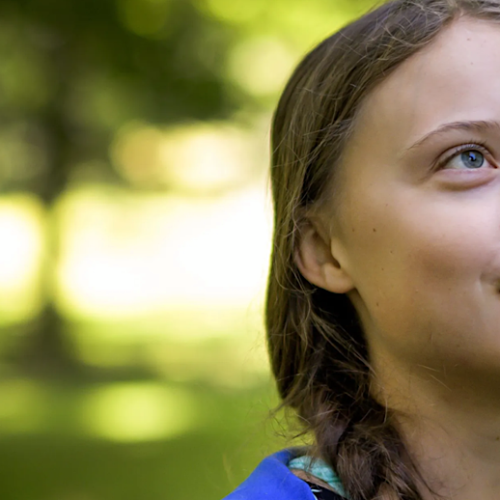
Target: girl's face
(420, 210)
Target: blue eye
(474, 155)
(472, 159)
(468, 160)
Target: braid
(372, 447)
(354, 433)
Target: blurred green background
(135, 224)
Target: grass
(157, 412)
(57, 457)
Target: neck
(450, 424)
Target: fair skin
(417, 250)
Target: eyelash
(480, 146)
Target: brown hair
(316, 343)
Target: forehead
(456, 77)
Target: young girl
(383, 306)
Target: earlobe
(317, 263)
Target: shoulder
(273, 480)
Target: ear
(320, 261)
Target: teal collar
(320, 469)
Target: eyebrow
(468, 126)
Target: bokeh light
(22, 221)
(261, 65)
(144, 17)
(198, 158)
(123, 256)
(137, 412)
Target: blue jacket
(272, 480)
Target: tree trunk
(47, 349)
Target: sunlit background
(135, 225)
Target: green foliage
(72, 73)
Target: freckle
(374, 230)
(377, 306)
(497, 438)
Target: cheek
(421, 268)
